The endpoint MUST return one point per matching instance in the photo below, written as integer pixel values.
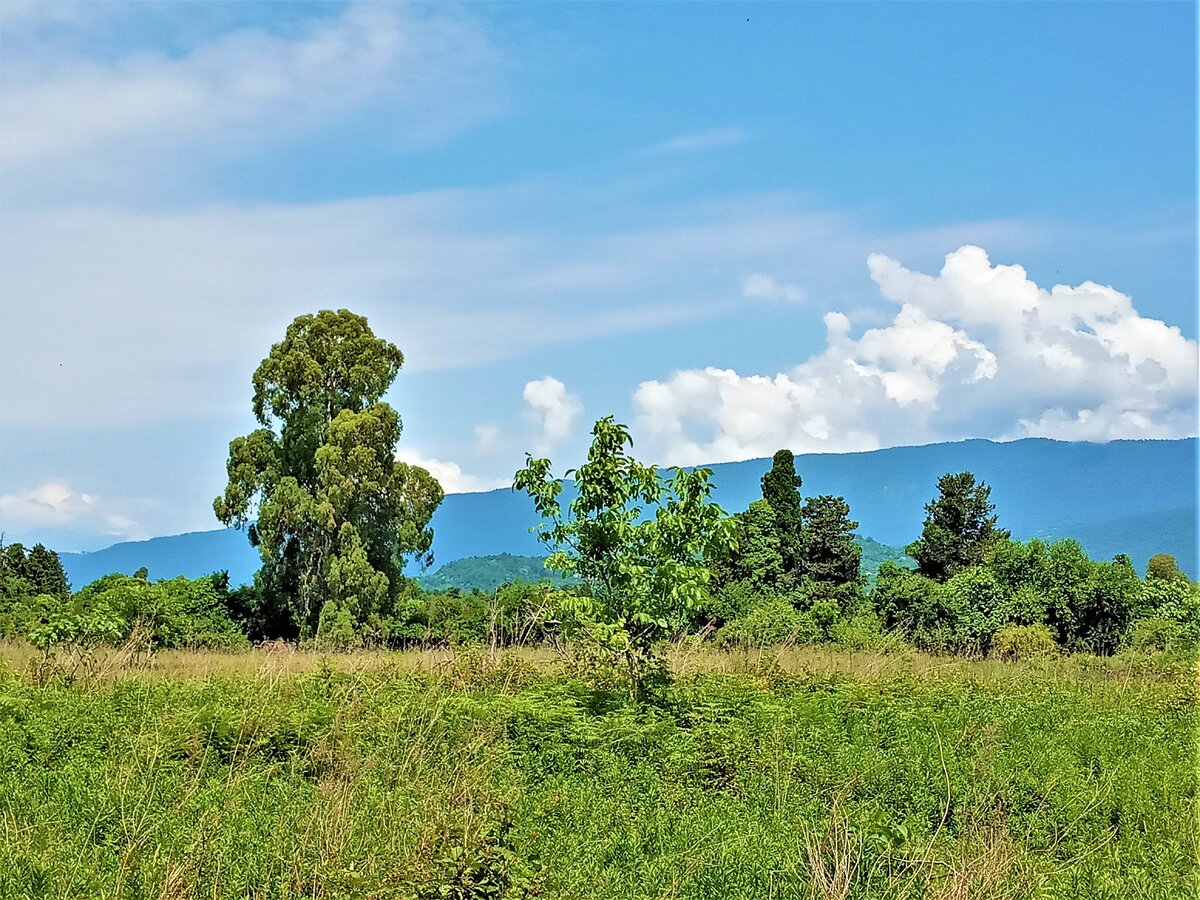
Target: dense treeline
(641, 556)
(793, 579)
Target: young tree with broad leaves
(638, 541)
(331, 510)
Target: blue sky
(735, 226)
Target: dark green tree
(44, 570)
(757, 562)
(831, 555)
(318, 486)
(781, 489)
(12, 561)
(13, 581)
(960, 526)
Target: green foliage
(1160, 634)
(917, 606)
(758, 562)
(781, 490)
(771, 623)
(959, 528)
(1163, 567)
(177, 613)
(1024, 642)
(864, 631)
(24, 574)
(336, 513)
(1088, 605)
(644, 573)
(43, 569)
(180, 612)
(1052, 781)
(831, 555)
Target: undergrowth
(497, 778)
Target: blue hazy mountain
(1135, 497)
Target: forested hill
(1135, 497)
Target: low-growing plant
(773, 622)
(1160, 635)
(1024, 642)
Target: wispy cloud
(122, 315)
(88, 118)
(697, 141)
(763, 287)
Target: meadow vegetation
(804, 773)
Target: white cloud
(432, 70)
(764, 287)
(57, 504)
(977, 350)
(710, 139)
(552, 409)
(487, 438)
(450, 474)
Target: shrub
(865, 631)
(1160, 635)
(1024, 642)
(920, 608)
(773, 621)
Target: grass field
(805, 774)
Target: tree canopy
(959, 526)
(643, 572)
(830, 554)
(318, 486)
(781, 489)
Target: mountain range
(1134, 497)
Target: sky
(737, 227)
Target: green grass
(835, 776)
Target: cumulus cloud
(56, 504)
(764, 287)
(976, 350)
(552, 409)
(449, 474)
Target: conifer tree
(781, 489)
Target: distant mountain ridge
(1135, 497)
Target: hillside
(486, 573)
(1135, 497)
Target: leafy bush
(1160, 635)
(772, 622)
(918, 607)
(865, 631)
(1024, 642)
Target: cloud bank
(974, 351)
(56, 504)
